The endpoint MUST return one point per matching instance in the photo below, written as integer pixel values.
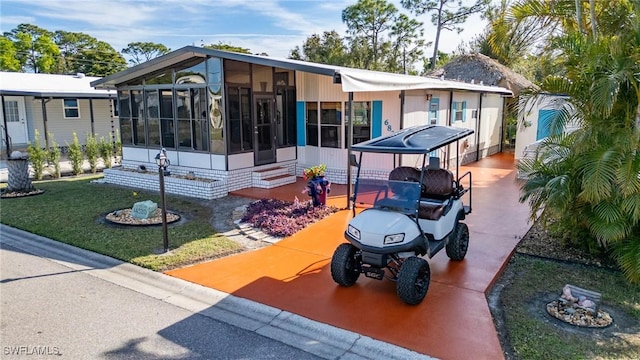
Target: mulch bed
(123, 217)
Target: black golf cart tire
(344, 266)
(413, 280)
(459, 242)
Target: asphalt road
(49, 310)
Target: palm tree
(588, 182)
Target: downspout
(44, 120)
(93, 131)
(349, 141)
(6, 131)
(478, 123)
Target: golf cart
(416, 211)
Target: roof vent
(80, 75)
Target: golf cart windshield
(401, 196)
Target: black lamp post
(163, 162)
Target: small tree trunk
(19, 176)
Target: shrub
(75, 155)
(92, 149)
(54, 156)
(283, 218)
(106, 151)
(37, 156)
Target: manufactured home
(54, 105)
(256, 121)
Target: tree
(587, 181)
(8, 55)
(100, 60)
(369, 20)
(144, 51)
(326, 49)
(447, 15)
(35, 48)
(227, 47)
(406, 35)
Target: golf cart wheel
(459, 242)
(413, 280)
(344, 265)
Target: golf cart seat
(436, 194)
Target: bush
(92, 149)
(75, 155)
(54, 156)
(106, 151)
(283, 218)
(37, 156)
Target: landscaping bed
(535, 276)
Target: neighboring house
(53, 104)
(535, 119)
(256, 121)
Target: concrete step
(274, 181)
(268, 173)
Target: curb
(317, 338)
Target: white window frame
(65, 108)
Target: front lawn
(72, 211)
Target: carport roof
(352, 80)
(50, 85)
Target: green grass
(71, 211)
(534, 338)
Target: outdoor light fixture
(428, 97)
(163, 162)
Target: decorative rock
(143, 209)
(18, 155)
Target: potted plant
(317, 186)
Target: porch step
(274, 181)
(263, 174)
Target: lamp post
(163, 162)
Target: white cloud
(13, 21)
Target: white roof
(50, 85)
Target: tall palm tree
(589, 180)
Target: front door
(265, 150)
(16, 119)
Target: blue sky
(270, 26)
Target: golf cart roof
(414, 140)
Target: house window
(330, 124)
(286, 116)
(71, 108)
(126, 132)
(434, 107)
(361, 122)
(458, 109)
(312, 123)
(240, 123)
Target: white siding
(528, 121)
(62, 129)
